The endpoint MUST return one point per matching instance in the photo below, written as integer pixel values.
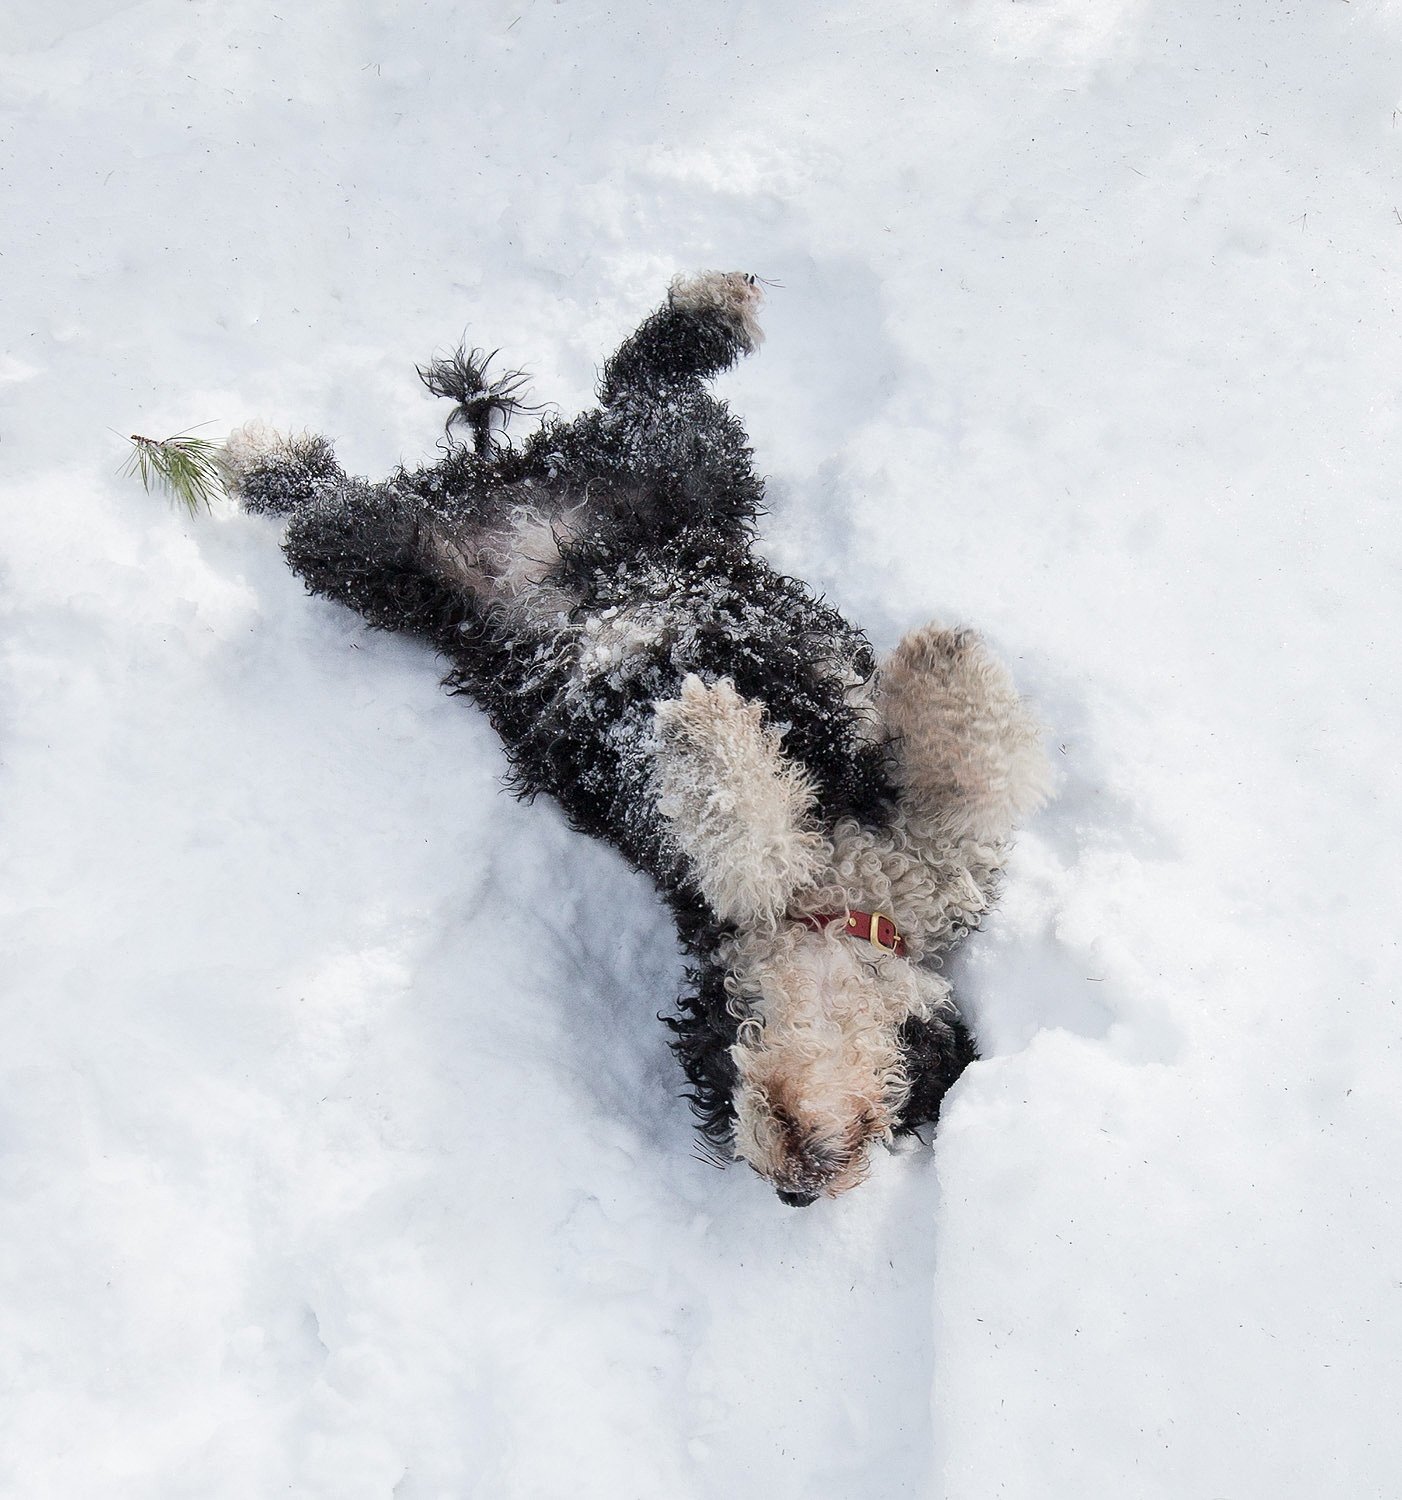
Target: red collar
(873, 927)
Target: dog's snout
(796, 1200)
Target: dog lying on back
(822, 828)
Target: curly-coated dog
(822, 828)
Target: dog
(823, 829)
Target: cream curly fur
(249, 445)
(737, 808)
(818, 1060)
(733, 293)
(509, 565)
(968, 752)
(820, 1075)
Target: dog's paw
(736, 806)
(735, 295)
(249, 448)
(966, 744)
(270, 473)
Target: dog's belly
(571, 674)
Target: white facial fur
(818, 1055)
(732, 293)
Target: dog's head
(820, 1071)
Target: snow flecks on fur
(511, 565)
(737, 807)
(620, 636)
(272, 473)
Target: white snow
(339, 1147)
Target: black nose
(796, 1200)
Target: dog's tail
(369, 546)
(481, 405)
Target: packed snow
(342, 1154)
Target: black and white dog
(822, 829)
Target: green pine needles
(189, 469)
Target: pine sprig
(188, 469)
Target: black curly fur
(935, 1055)
(296, 474)
(662, 496)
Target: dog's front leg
(967, 749)
(735, 806)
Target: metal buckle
(877, 918)
(873, 933)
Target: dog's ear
(735, 806)
(934, 1052)
(967, 750)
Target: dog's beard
(803, 1128)
(820, 1074)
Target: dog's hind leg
(662, 454)
(272, 474)
(374, 547)
(706, 324)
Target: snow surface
(341, 1151)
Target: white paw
(735, 294)
(737, 807)
(247, 446)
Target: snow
(339, 1146)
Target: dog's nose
(796, 1200)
